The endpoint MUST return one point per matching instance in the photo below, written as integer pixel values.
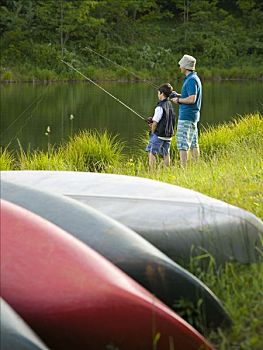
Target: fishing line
(30, 116)
(107, 92)
(124, 68)
(21, 114)
(260, 103)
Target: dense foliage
(145, 35)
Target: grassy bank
(230, 169)
(28, 73)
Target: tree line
(142, 34)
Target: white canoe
(15, 333)
(179, 221)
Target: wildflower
(71, 117)
(48, 129)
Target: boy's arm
(154, 126)
(158, 112)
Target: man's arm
(190, 100)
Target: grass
(230, 169)
(91, 151)
(7, 159)
(86, 151)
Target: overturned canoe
(180, 222)
(15, 333)
(76, 299)
(126, 249)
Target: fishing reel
(173, 95)
(149, 121)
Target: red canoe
(76, 299)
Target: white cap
(187, 62)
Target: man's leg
(183, 140)
(195, 153)
(194, 145)
(183, 157)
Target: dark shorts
(158, 146)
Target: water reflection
(27, 110)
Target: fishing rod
(124, 68)
(107, 92)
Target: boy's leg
(152, 161)
(166, 160)
(165, 152)
(153, 149)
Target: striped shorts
(187, 135)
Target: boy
(161, 127)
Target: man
(189, 110)
(161, 127)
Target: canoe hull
(183, 223)
(15, 333)
(73, 297)
(124, 248)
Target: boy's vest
(165, 127)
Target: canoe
(76, 299)
(180, 222)
(15, 333)
(126, 249)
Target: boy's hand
(149, 122)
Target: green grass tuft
(39, 160)
(7, 159)
(91, 151)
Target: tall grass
(245, 131)
(91, 151)
(7, 159)
(86, 151)
(39, 160)
(239, 287)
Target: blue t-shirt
(191, 86)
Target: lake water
(27, 110)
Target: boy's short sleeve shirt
(158, 113)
